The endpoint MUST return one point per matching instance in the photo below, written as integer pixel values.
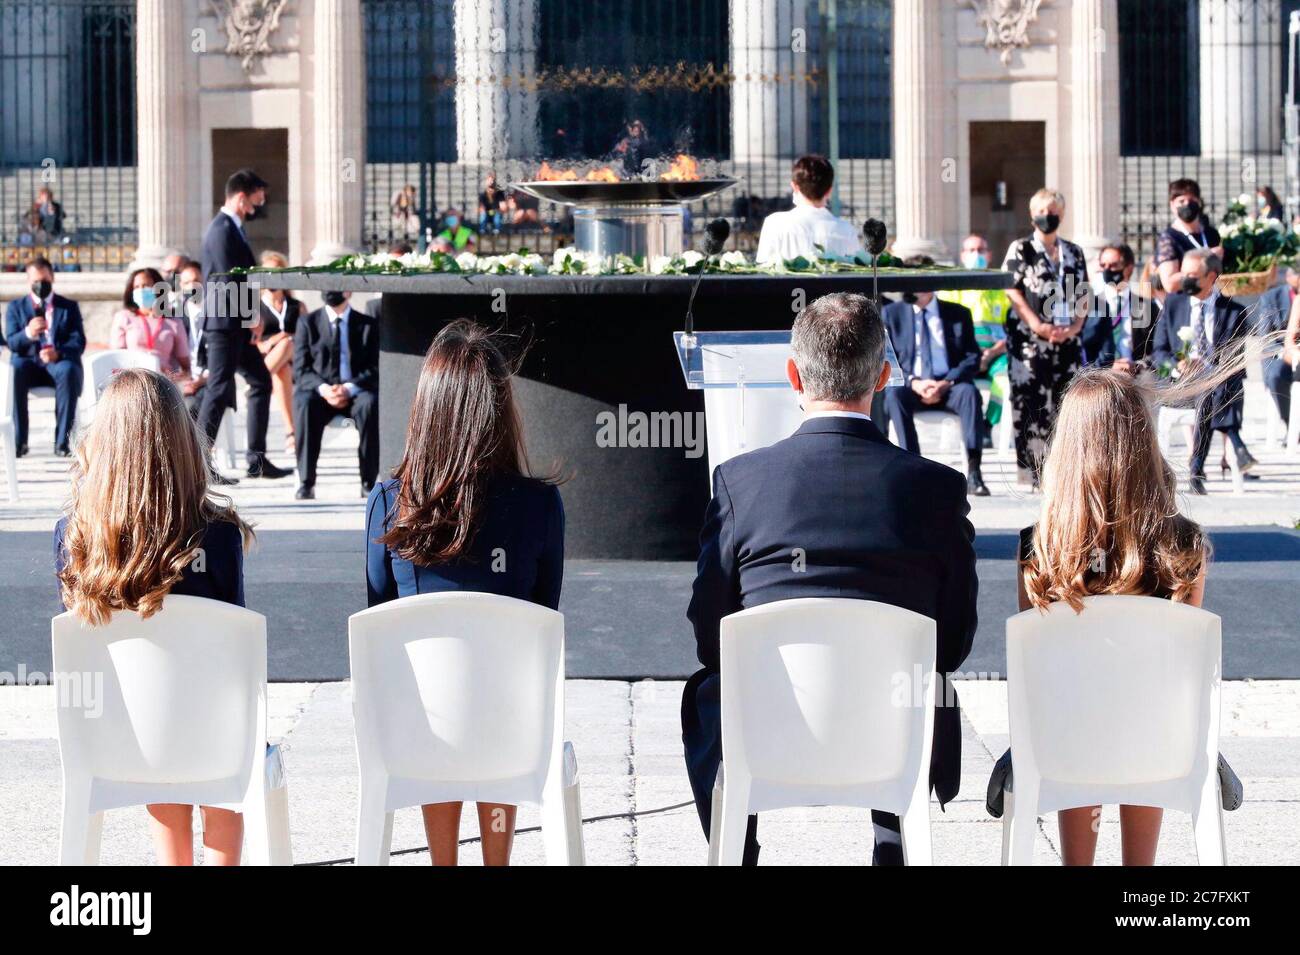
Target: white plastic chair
(226, 439)
(1005, 438)
(812, 715)
(100, 367)
(460, 697)
(166, 710)
(949, 426)
(7, 437)
(1118, 704)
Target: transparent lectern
(748, 402)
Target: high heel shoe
(1224, 469)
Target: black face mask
(1190, 212)
(1191, 285)
(42, 288)
(253, 213)
(335, 299)
(909, 298)
(1112, 276)
(1047, 224)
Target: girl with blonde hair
(1110, 524)
(141, 511)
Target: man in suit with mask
(1119, 330)
(336, 372)
(229, 314)
(46, 340)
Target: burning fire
(683, 169)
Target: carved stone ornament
(1006, 23)
(248, 25)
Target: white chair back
(182, 701)
(6, 389)
(1117, 704)
(458, 697)
(101, 366)
(820, 694)
(464, 690)
(1124, 694)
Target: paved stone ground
(629, 755)
(626, 732)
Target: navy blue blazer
(225, 248)
(1098, 338)
(1231, 323)
(962, 350)
(221, 576)
(873, 522)
(1272, 310)
(517, 551)
(69, 333)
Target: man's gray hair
(1211, 261)
(839, 347)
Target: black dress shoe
(263, 468)
(305, 492)
(20, 451)
(1198, 484)
(63, 452)
(1245, 461)
(220, 480)
(975, 485)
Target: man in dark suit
(939, 357)
(46, 340)
(1271, 315)
(871, 521)
(336, 372)
(1217, 325)
(229, 314)
(1118, 332)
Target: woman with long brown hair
(1110, 524)
(141, 509)
(461, 497)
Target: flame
(549, 174)
(603, 174)
(683, 169)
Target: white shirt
(938, 350)
(1121, 307)
(339, 324)
(798, 231)
(194, 315)
(836, 414)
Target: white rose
(661, 264)
(733, 259)
(691, 258)
(1185, 333)
(467, 261)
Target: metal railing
(67, 125)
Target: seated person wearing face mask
(143, 325)
(456, 237)
(988, 309)
(336, 372)
(1119, 329)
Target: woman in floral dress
(1049, 307)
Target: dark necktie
(336, 350)
(923, 346)
(1202, 338)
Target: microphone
(874, 237)
(715, 237)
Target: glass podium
(748, 402)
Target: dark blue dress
(518, 550)
(221, 572)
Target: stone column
(1092, 208)
(924, 168)
(496, 48)
(1240, 62)
(163, 180)
(339, 128)
(769, 97)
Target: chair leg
(1207, 824)
(277, 824)
(715, 818)
(1008, 811)
(374, 826)
(573, 808)
(562, 815)
(915, 826)
(11, 467)
(1023, 825)
(731, 829)
(257, 835)
(82, 830)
